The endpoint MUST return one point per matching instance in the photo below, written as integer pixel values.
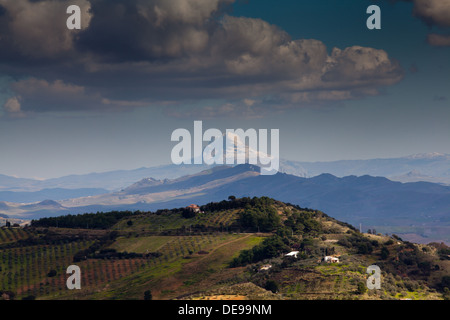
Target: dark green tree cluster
(303, 222)
(360, 243)
(271, 285)
(237, 203)
(260, 218)
(384, 254)
(148, 295)
(109, 253)
(187, 213)
(99, 220)
(414, 263)
(98, 245)
(269, 248)
(361, 288)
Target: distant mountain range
(432, 167)
(420, 209)
(54, 194)
(111, 180)
(366, 192)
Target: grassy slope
(181, 274)
(195, 265)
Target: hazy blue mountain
(12, 183)
(433, 167)
(418, 209)
(222, 173)
(111, 180)
(54, 194)
(119, 179)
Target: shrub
(361, 289)
(384, 253)
(148, 295)
(51, 273)
(271, 286)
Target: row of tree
(99, 220)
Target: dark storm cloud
(137, 30)
(43, 96)
(135, 53)
(433, 13)
(35, 31)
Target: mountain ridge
(433, 167)
(418, 208)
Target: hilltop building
(194, 208)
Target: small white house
(292, 254)
(265, 267)
(330, 259)
(194, 208)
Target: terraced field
(8, 235)
(25, 269)
(152, 223)
(186, 262)
(39, 271)
(203, 257)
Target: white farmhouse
(330, 259)
(292, 254)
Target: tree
(271, 286)
(445, 282)
(148, 295)
(262, 218)
(363, 248)
(52, 273)
(129, 223)
(446, 294)
(384, 253)
(361, 288)
(231, 198)
(188, 213)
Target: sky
(108, 96)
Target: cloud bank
(138, 53)
(435, 13)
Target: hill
(416, 211)
(110, 180)
(430, 167)
(54, 194)
(233, 249)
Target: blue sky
(107, 102)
